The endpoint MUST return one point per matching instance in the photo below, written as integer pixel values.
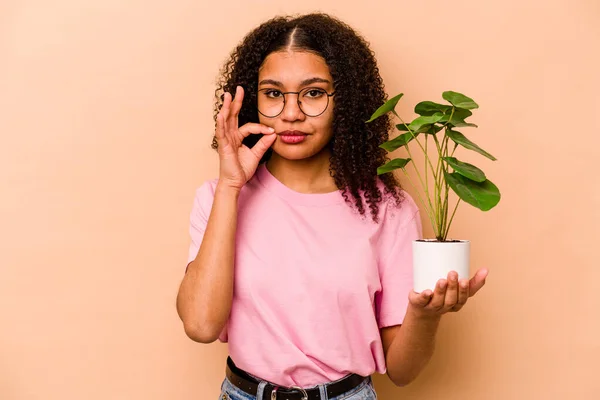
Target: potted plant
(434, 258)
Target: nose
(291, 110)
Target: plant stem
(446, 191)
(426, 174)
(412, 160)
(431, 219)
(427, 160)
(443, 152)
(451, 218)
(449, 223)
(438, 186)
(415, 138)
(454, 149)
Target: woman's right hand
(238, 163)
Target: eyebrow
(303, 83)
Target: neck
(309, 175)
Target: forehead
(291, 67)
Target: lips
(292, 137)
(292, 133)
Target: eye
(314, 93)
(272, 93)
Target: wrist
(423, 316)
(224, 189)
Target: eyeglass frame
(297, 101)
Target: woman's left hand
(449, 295)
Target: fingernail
(271, 130)
(443, 284)
(463, 284)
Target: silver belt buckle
(298, 388)
(304, 394)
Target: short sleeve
(201, 207)
(395, 268)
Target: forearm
(206, 291)
(412, 348)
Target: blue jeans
(364, 391)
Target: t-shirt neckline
(310, 199)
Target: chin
(293, 154)
(296, 152)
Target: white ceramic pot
(433, 260)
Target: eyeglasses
(312, 101)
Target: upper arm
(201, 208)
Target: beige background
(105, 123)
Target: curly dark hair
(355, 151)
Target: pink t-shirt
(314, 280)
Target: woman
(301, 255)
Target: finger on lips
(252, 127)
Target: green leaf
(432, 130)
(428, 128)
(398, 141)
(420, 122)
(430, 108)
(458, 116)
(467, 170)
(386, 107)
(392, 165)
(423, 129)
(459, 100)
(402, 127)
(463, 124)
(482, 195)
(459, 138)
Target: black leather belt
(248, 384)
